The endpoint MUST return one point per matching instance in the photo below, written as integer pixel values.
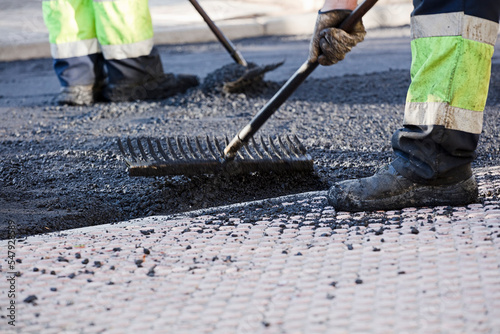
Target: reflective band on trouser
(75, 49)
(125, 51)
(454, 24)
(441, 113)
(124, 28)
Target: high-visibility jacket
(86, 34)
(452, 46)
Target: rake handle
(288, 88)
(235, 54)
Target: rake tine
(131, 150)
(181, 149)
(217, 145)
(264, 146)
(171, 148)
(292, 146)
(248, 151)
(141, 149)
(284, 148)
(122, 149)
(256, 149)
(209, 145)
(299, 145)
(198, 146)
(273, 147)
(190, 148)
(160, 149)
(152, 150)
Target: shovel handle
(288, 88)
(235, 54)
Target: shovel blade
(250, 77)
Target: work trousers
(94, 39)
(452, 46)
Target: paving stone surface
(289, 265)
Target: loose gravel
(61, 167)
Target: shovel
(243, 154)
(252, 72)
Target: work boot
(152, 89)
(76, 96)
(388, 190)
(80, 95)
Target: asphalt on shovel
(244, 153)
(252, 71)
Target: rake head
(195, 156)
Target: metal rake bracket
(195, 156)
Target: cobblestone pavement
(286, 265)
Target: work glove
(329, 44)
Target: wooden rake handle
(288, 88)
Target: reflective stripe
(450, 69)
(435, 113)
(454, 24)
(75, 49)
(91, 46)
(124, 51)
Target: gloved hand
(329, 44)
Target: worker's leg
(452, 48)
(135, 71)
(77, 56)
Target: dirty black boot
(151, 89)
(388, 190)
